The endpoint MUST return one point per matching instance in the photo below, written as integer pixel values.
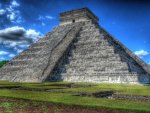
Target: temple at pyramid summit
(77, 50)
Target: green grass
(119, 88)
(74, 100)
(68, 99)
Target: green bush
(3, 62)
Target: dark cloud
(19, 34)
(15, 39)
(12, 34)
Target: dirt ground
(25, 106)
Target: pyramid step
(6, 76)
(34, 51)
(44, 40)
(89, 34)
(30, 53)
(126, 78)
(96, 51)
(108, 64)
(92, 53)
(13, 68)
(92, 56)
(31, 50)
(92, 47)
(92, 43)
(91, 31)
(19, 62)
(9, 73)
(97, 69)
(89, 48)
(117, 68)
(121, 73)
(100, 75)
(88, 26)
(29, 56)
(37, 47)
(25, 62)
(22, 60)
(93, 60)
(38, 44)
(87, 38)
(88, 22)
(96, 65)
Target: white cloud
(2, 11)
(50, 17)
(19, 50)
(12, 29)
(18, 38)
(32, 33)
(141, 53)
(45, 17)
(3, 53)
(15, 4)
(13, 14)
(19, 33)
(23, 46)
(41, 17)
(43, 24)
(11, 55)
(12, 33)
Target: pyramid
(78, 50)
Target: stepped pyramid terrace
(77, 50)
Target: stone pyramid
(78, 50)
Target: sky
(23, 22)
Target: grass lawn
(58, 93)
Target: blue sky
(22, 22)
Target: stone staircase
(33, 59)
(93, 59)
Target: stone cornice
(86, 10)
